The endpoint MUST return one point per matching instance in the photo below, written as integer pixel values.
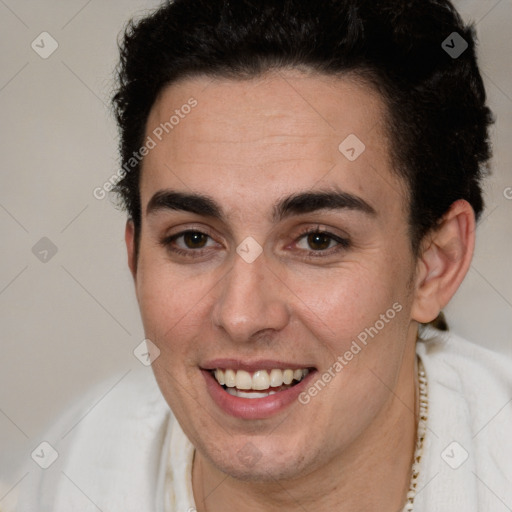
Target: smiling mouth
(258, 384)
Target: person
(302, 181)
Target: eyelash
(342, 243)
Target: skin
(247, 145)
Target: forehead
(268, 137)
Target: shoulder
(478, 377)
(467, 450)
(104, 452)
(464, 365)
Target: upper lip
(252, 366)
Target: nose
(252, 302)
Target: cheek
(348, 300)
(170, 302)
(174, 311)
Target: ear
(129, 237)
(443, 262)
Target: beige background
(73, 321)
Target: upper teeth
(259, 380)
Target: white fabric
(470, 397)
(128, 454)
(113, 460)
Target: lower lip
(253, 408)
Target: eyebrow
(299, 203)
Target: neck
(373, 473)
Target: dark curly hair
(437, 118)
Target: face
(266, 246)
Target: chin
(260, 458)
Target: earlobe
(443, 262)
(129, 237)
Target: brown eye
(195, 239)
(191, 245)
(319, 241)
